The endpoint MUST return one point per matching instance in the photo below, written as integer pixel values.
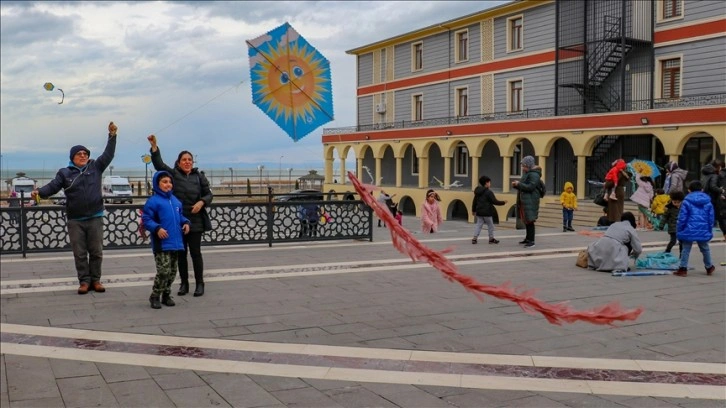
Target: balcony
(639, 105)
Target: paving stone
(29, 378)
(271, 383)
(3, 377)
(72, 368)
(305, 397)
(4, 400)
(91, 391)
(356, 396)
(184, 379)
(414, 398)
(240, 390)
(140, 393)
(196, 397)
(121, 372)
(56, 402)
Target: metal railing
(635, 105)
(42, 228)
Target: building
(576, 84)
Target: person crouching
(164, 220)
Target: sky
(178, 70)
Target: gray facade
(538, 87)
(696, 10)
(538, 31)
(699, 61)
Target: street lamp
(289, 178)
(231, 179)
(279, 177)
(111, 168)
(260, 168)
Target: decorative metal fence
(43, 228)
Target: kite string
(199, 107)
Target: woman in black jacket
(191, 187)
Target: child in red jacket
(611, 179)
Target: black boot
(569, 226)
(199, 291)
(183, 289)
(155, 304)
(564, 228)
(167, 300)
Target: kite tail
(557, 313)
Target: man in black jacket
(483, 209)
(81, 181)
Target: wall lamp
(367, 137)
(644, 121)
(670, 128)
(449, 133)
(576, 132)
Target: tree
(249, 188)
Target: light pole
(111, 168)
(260, 168)
(289, 178)
(279, 178)
(231, 179)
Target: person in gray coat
(612, 251)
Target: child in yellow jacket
(658, 207)
(568, 199)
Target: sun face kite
(290, 81)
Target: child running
(670, 219)
(483, 209)
(695, 224)
(163, 218)
(568, 199)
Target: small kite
(557, 313)
(49, 87)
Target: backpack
(541, 188)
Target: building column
(506, 164)
(474, 172)
(359, 169)
(581, 162)
(399, 171)
(328, 171)
(378, 171)
(343, 175)
(423, 172)
(542, 162)
(447, 172)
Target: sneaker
(83, 289)
(524, 241)
(709, 271)
(97, 287)
(570, 229)
(474, 240)
(493, 241)
(564, 229)
(529, 245)
(681, 271)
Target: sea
(217, 177)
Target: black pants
(193, 244)
(529, 228)
(672, 242)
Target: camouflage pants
(166, 264)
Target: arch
(407, 205)
(457, 210)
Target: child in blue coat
(695, 224)
(164, 220)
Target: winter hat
(483, 180)
(527, 162)
(77, 148)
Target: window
(462, 160)
(417, 56)
(462, 102)
(462, 46)
(515, 38)
(515, 101)
(671, 78)
(417, 108)
(515, 169)
(383, 65)
(414, 161)
(672, 9)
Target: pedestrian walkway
(354, 323)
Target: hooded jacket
(82, 185)
(676, 181)
(710, 184)
(568, 199)
(484, 201)
(164, 210)
(695, 219)
(188, 188)
(528, 197)
(644, 194)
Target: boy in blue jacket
(164, 220)
(695, 224)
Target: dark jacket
(670, 217)
(695, 219)
(484, 201)
(82, 186)
(722, 201)
(163, 210)
(528, 197)
(188, 188)
(709, 180)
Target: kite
(290, 81)
(48, 86)
(558, 313)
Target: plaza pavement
(356, 324)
